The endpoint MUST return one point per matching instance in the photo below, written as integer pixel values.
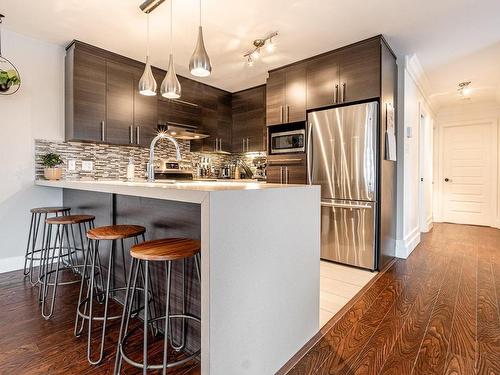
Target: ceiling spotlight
(258, 44)
(255, 54)
(464, 89)
(270, 46)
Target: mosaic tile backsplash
(110, 161)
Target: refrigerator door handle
(308, 154)
(344, 205)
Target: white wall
(35, 111)
(465, 111)
(412, 101)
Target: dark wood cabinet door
(274, 174)
(295, 93)
(119, 103)
(322, 81)
(287, 169)
(145, 115)
(359, 70)
(86, 88)
(275, 97)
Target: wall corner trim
(405, 246)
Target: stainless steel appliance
(342, 157)
(288, 141)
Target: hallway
(435, 313)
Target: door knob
(446, 179)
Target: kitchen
(248, 208)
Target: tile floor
(338, 284)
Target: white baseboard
(406, 246)
(11, 264)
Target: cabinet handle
(103, 131)
(287, 113)
(281, 114)
(242, 144)
(131, 134)
(281, 175)
(343, 92)
(138, 135)
(248, 147)
(336, 94)
(286, 175)
(220, 144)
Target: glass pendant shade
(147, 83)
(199, 64)
(170, 87)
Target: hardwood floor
(435, 313)
(31, 345)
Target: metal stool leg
(127, 310)
(146, 309)
(168, 269)
(47, 279)
(30, 234)
(78, 332)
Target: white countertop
(192, 191)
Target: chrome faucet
(151, 163)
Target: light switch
(71, 165)
(87, 165)
(409, 132)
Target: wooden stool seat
(49, 210)
(166, 249)
(70, 219)
(115, 232)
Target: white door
(468, 174)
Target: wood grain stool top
(70, 219)
(115, 232)
(166, 249)
(49, 210)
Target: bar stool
(32, 253)
(85, 307)
(166, 251)
(66, 258)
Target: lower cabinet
(287, 169)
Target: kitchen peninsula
(260, 279)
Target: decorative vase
(52, 174)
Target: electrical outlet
(87, 165)
(71, 165)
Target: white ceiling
(455, 40)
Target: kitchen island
(259, 298)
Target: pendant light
(199, 64)
(170, 87)
(147, 83)
(10, 79)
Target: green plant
(8, 78)
(51, 160)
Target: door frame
(493, 124)
(424, 130)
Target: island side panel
(264, 277)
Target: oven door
(285, 142)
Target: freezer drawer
(348, 232)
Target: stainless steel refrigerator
(342, 157)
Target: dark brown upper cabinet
(249, 120)
(85, 91)
(119, 126)
(348, 75)
(359, 71)
(286, 95)
(145, 115)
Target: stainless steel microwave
(289, 141)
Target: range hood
(182, 131)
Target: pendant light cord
(171, 27)
(1, 19)
(200, 12)
(147, 37)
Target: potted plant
(51, 163)
(8, 78)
